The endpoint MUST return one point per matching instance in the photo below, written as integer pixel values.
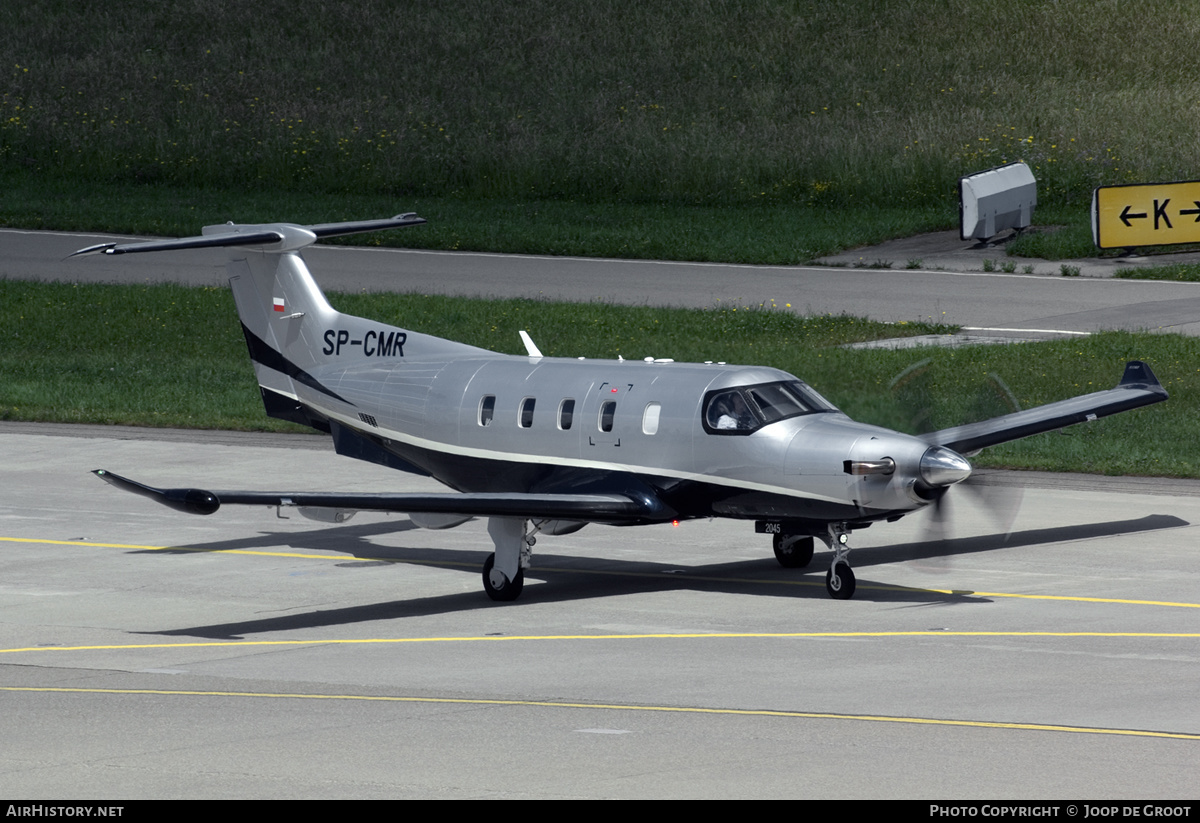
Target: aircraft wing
(591, 508)
(1138, 387)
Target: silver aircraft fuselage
(570, 425)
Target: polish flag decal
(278, 304)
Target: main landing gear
(795, 551)
(496, 583)
(504, 570)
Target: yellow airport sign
(1156, 214)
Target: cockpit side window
(746, 409)
(728, 411)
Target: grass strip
(169, 355)
(1183, 272)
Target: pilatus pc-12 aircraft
(547, 444)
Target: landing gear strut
(839, 580)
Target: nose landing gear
(795, 551)
(839, 580)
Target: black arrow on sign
(1126, 216)
(1195, 211)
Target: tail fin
(290, 328)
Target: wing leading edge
(591, 508)
(1138, 387)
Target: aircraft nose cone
(942, 467)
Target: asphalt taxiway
(146, 653)
(954, 290)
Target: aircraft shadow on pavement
(571, 578)
(926, 550)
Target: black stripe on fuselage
(262, 353)
(675, 498)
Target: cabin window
(650, 418)
(566, 412)
(608, 410)
(487, 409)
(525, 418)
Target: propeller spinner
(941, 467)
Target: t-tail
(291, 331)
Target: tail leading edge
(291, 330)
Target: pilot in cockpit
(732, 413)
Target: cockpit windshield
(747, 408)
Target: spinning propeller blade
(914, 392)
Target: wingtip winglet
(1140, 376)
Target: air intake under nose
(942, 467)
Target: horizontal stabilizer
(1138, 387)
(270, 237)
(359, 226)
(592, 508)
(259, 238)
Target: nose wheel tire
(792, 551)
(839, 581)
(497, 585)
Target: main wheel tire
(844, 588)
(796, 555)
(507, 590)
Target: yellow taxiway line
(551, 704)
(366, 641)
(688, 576)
